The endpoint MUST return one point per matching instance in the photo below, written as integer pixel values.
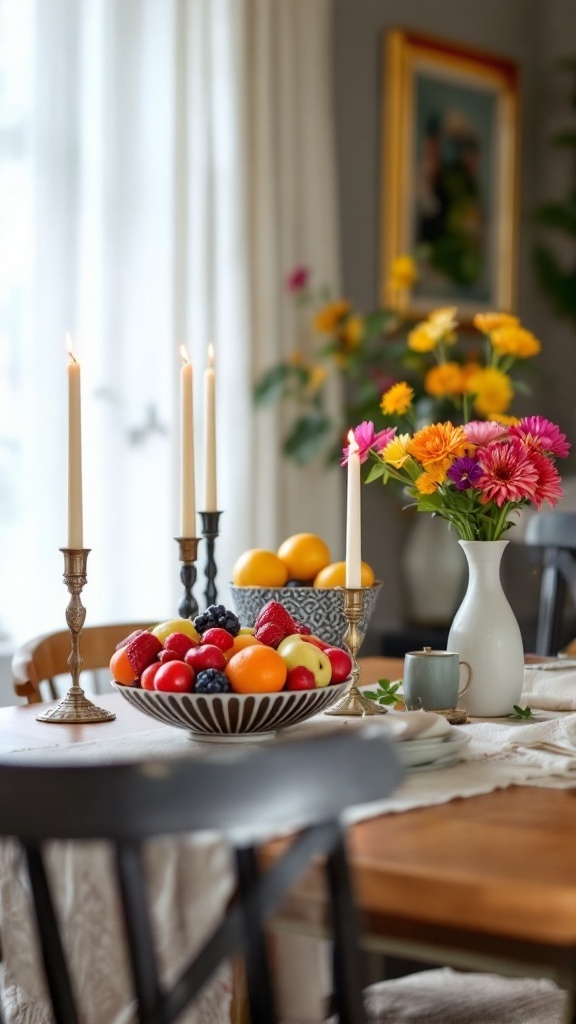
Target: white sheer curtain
(178, 160)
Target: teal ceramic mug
(432, 679)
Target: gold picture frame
(450, 182)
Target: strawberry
(271, 634)
(179, 643)
(127, 639)
(142, 651)
(303, 630)
(276, 613)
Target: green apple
(295, 651)
(163, 629)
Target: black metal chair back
(555, 533)
(302, 784)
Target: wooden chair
(45, 657)
(555, 533)
(298, 784)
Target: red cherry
(205, 656)
(300, 678)
(148, 675)
(168, 656)
(341, 663)
(219, 637)
(174, 677)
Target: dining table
(471, 866)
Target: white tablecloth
(192, 880)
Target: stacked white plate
(428, 740)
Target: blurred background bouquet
(453, 371)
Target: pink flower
(297, 279)
(509, 473)
(541, 435)
(366, 438)
(482, 432)
(548, 487)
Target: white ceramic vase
(485, 633)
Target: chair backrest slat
(555, 533)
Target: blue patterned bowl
(321, 609)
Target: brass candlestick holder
(210, 530)
(353, 702)
(75, 708)
(188, 606)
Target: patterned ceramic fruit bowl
(233, 716)
(321, 609)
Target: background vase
(486, 634)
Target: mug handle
(469, 680)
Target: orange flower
(328, 318)
(426, 483)
(506, 421)
(487, 322)
(444, 379)
(436, 446)
(515, 341)
(397, 400)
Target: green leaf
(387, 692)
(307, 437)
(521, 713)
(278, 381)
(376, 472)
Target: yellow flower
(351, 332)
(444, 379)
(422, 339)
(506, 421)
(403, 272)
(436, 446)
(444, 319)
(328, 318)
(395, 453)
(492, 390)
(317, 376)
(488, 322)
(515, 341)
(397, 400)
(426, 484)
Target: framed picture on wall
(450, 173)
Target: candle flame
(184, 354)
(352, 442)
(211, 355)
(69, 351)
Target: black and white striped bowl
(319, 608)
(233, 716)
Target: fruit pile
(301, 561)
(215, 654)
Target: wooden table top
(497, 868)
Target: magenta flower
(482, 432)
(541, 435)
(366, 438)
(548, 487)
(297, 279)
(508, 472)
(464, 472)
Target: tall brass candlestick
(188, 547)
(75, 708)
(354, 703)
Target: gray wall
(534, 33)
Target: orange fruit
(256, 669)
(259, 568)
(304, 555)
(240, 642)
(121, 669)
(334, 575)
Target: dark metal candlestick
(210, 530)
(75, 707)
(188, 606)
(353, 702)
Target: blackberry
(217, 615)
(210, 680)
(299, 583)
